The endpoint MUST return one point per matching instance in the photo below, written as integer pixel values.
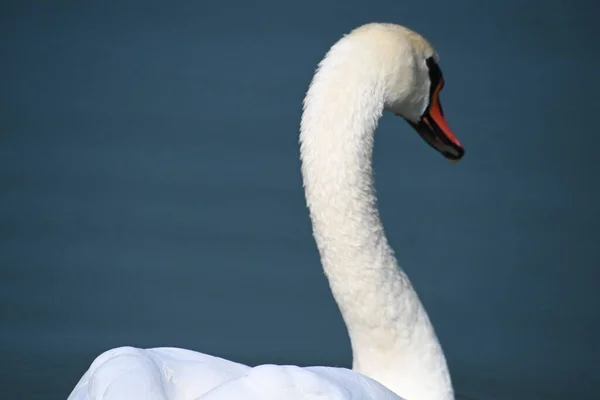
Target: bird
(375, 68)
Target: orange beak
(434, 129)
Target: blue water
(151, 194)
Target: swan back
(128, 373)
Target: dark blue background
(151, 195)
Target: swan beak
(434, 129)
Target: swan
(396, 353)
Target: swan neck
(392, 338)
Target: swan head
(411, 80)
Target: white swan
(395, 349)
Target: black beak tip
(455, 155)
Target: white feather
(395, 349)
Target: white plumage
(128, 373)
(396, 353)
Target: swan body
(396, 353)
(127, 373)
